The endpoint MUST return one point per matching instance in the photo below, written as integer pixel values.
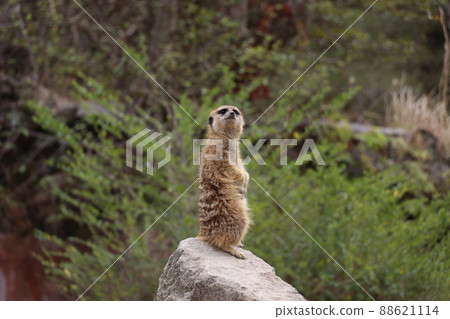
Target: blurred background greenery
(70, 98)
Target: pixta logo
(146, 143)
(233, 145)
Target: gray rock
(197, 271)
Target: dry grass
(419, 113)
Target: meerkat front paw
(240, 245)
(245, 184)
(246, 178)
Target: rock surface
(197, 271)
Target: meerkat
(223, 210)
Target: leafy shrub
(382, 227)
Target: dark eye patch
(236, 111)
(223, 111)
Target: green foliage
(381, 227)
(113, 204)
(375, 140)
(368, 224)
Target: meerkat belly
(223, 198)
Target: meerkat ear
(211, 120)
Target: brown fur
(223, 210)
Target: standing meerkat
(223, 210)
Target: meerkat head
(226, 120)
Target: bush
(382, 227)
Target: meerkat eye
(223, 111)
(236, 112)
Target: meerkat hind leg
(227, 249)
(233, 252)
